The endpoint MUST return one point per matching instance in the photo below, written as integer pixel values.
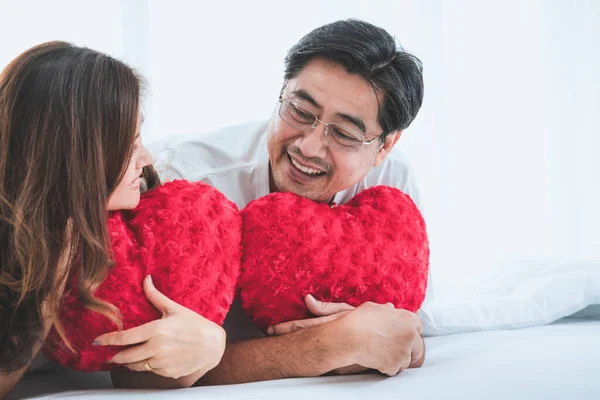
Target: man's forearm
(304, 353)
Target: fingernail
(96, 343)
(270, 330)
(311, 297)
(149, 278)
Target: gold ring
(147, 366)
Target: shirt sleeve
(397, 172)
(162, 160)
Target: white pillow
(534, 293)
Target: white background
(506, 146)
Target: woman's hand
(181, 343)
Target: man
(348, 94)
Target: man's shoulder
(221, 151)
(231, 137)
(396, 170)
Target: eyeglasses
(337, 135)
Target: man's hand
(182, 343)
(383, 323)
(323, 311)
(383, 337)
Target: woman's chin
(128, 203)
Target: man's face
(301, 161)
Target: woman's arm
(177, 357)
(10, 380)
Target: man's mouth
(310, 171)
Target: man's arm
(372, 336)
(305, 353)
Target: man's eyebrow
(354, 120)
(303, 94)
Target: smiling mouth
(136, 181)
(305, 170)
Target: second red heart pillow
(374, 248)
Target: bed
(556, 361)
(535, 335)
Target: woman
(70, 151)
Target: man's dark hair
(371, 53)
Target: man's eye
(342, 136)
(301, 113)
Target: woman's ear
(386, 147)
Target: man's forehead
(327, 86)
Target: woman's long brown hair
(68, 118)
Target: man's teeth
(309, 171)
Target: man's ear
(386, 147)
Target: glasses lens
(338, 136)
(344, 138)
(296, 115)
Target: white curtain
(506, 145)
(26, 23)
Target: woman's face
(126, 195)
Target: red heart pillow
(188, 236)
(374, 248)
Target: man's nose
(312, 143)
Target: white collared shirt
(235, 161)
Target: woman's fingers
(162, 303)
(136, 335)
(134, 354)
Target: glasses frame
(316, 122)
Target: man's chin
(308, 191)
(314, 195)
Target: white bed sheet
(557, 361)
